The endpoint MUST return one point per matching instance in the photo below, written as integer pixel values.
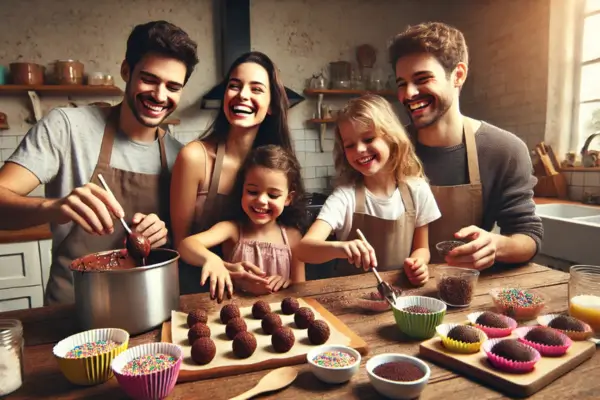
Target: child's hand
(416, 271)
(215, 270)
(359, 253)
(252, 287)
(246, 270)
(277, 282)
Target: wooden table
(45, 326)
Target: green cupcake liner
(419, 326)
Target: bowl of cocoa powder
(456, 286)
(398, 376)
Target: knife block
(552, 186)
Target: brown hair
(376, 113)
(164, 38)
(280, 159)
(446, 43)
(274, 129)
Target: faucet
(589, 159)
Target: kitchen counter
(40, 232)
(552, 200)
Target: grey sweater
(506, 176)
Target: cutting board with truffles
(518, 360)
(236, 340)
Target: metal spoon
(138, 246)
(274, 380)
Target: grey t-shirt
(506, 177)
(62, 150)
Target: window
(587, 104)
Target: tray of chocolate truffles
(236, 339)
(518, 360)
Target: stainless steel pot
(136, 300)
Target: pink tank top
(274, 259)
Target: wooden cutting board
(226, 364)
(477, 367)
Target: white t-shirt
(340, 205)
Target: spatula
(274, 380)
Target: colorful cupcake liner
(545, 350)
(493, 332)
(155, 385)
(519, 313)
(587, 333)
(503, 364)
(91, 370)
(457, 346)
(419, 326)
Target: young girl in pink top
(272, 195)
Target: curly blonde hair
(376, 113)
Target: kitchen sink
(571, 232)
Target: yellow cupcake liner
(456, 346)
(92, 370)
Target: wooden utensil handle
(246, 395)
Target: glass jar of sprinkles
(11, 355)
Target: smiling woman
(254, 113)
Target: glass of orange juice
(584, 296)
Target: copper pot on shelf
(25, 73)
(68, 72)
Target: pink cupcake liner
(503, 364)
(493, 333)
(153, 386)
(545, 350)
(577, 336)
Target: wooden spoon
(274, 380)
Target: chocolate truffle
(513, 350)
(198, 331)
(303, 317)
(463, 333)
(491, 320)
(318, 332)
(230, 311)
(399, 371)
(196, 316)
(543, 335)
(203, 350)
(260, 309)
(235, 326)
(289, 305)
(244, 344)
(283, 339)
(417, 310)
(270, 323)
(566, 323)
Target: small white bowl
(331, 374)
(396, 389)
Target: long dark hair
(274, 129)
(279, 159)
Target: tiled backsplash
(582, 182)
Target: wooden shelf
(580, 169)
(321, 120)
(348, 92)
(84, 90)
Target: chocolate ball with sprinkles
(196, 316)
(283, 339)
(464, 333)
(417, 310)
(318, 332)
(260, 309)
(244, 344)
(513, 350)
(228, 312)
(303, 317)
(148, 364)
(197, 331)
(289, 305)
(235, 326)
(545, 336)
(270, 323)
(567, 323)
(491, 320)
(203, 351)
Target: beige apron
(136, 192)
(460, 205)
(391, 239)
(217, 207)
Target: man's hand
(479, 253)
(151, 227)
(90, 207)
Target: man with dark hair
(480, 174)
(70, 147)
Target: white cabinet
(24, 269)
